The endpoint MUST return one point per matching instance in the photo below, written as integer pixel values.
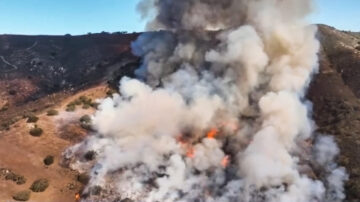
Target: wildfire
(77, 197)
(190, 153)
(212, 133)
(225, 161)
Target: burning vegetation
(218, 110)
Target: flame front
(77, 197)
(212, 133)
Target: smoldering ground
(240, 67)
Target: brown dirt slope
(335, 95)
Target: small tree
(40, 185)
(32, 118)
(22, 195)
(70, 107)
(49, 160)
(52, 112)
(36, 132)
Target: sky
(58, 17)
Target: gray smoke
(218, 113)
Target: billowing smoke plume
(218, 113)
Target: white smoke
(235, 69)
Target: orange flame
(225, 161)
(77, 197)
(212, 133)
(190, 153)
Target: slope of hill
(42, 72)
(335, 93)
(34, 67)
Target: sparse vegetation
(94, 105)
(83, 178)
(85, 122)
(52, 112)
(22, 195)
(49, 160)
(110, 92)
(86, 106)
(32, 118)
(5, 126)
(82, 100)
(85, 119)
(40, 185)
(7, 174)
(70, 107)
(85, 100)
(36, 131)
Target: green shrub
(86, 106)
(76, 102)
(94, 105)
(18, 179)
(70, 107)
(36, 132)
(32, 119)
(52, 112)
(49, 160)
(22, 195)
(85, 122)
(40, 185)
(85, 119)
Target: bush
(83, 178)
(40, 185)
(86, 106)
(18, 179)
(32, 119)
(22, 195)
(36, 132)
(110, 92)
(70, 107)
(85, 119)
(94, 105)
(52, 112)
(85, 122)
(49, 160)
